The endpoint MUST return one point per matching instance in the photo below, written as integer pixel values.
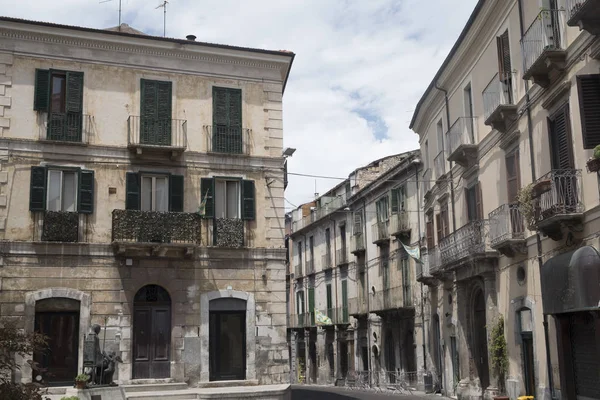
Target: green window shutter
(329, 297)
(345, 293)
(37, 189)
(588, 87)
(132, 191)
(207, 191)
(311, 304)
(164, 113)
(41, 92)
(235, 107)
(86, 192)
(74, 106)
(176, 193)
(227, 120)
(220, 116)
(248, 200)
(395, 198)
(148, 111)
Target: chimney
(191, 38)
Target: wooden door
(479, 335)
(227, 345)
(58, 363)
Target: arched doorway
(227, 339)
(58, 319)
(151, 333)
(479, 338)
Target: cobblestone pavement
(306, 392)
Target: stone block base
(104, 393)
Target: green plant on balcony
(593, 164)
(499, 352)
(525, 203)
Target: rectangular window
(382, 209)
(469, 124)
(62, 190)
(311, 304)
(227, 198)
(588, 87)
(155, 193)
(227, 120)
(426, 156)
(329, 299)
(440, 136)
(398, 199)
(429, 231)
(345, 300)
(155, 112)
(406, 287)
(358, 228)
(58, 92)
(300, 302)
(474, 203)
(300, 254)
(444, 218)
(328, 244)
(343, 238)
(512, 175)
(440, 227)
(311, 246)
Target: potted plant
(81, 381)
(593, 164)
(499, 356)
(526, 205)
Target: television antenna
(120, 1)
(164, 7)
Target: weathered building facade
(511, 215)
(347, 263)
(142, 190)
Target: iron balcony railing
(341, 256)
(335, 204)
(392, 298)
(426, 181)
(574, 6)
(542, 35)
(152, 132)
(469, 240)
(497, 93)
(461, 133)
(230, 140)
(357, 306)
(439, 163)
(155, 227)
(380, 231)
(434, 260)
(558, 193)
(60, 226)
(310, 266)
(341, 315)
(357, 243)
(506, 223)
(400, 222)
(298, 270)
(68, 127)
(229, 233)
(326, 261)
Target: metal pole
(120, 15)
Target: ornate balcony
(423, 269)
(357, 306)
(151, 233)
(156, 136)
(357, 244)
(439, 163)
(400, 224)
(60, 226)
(498, 108)
(228, 140)
(393, 299)
(380, 232)
(67, 128)
(557, 201)
(507, 230)
(462, 141)
(310, 267)
(341, 257)
(326, 262)
(543, 54)
(585, 14)
(468, 243)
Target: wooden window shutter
(86, 192)
(148, 111)
(395, 200)
(440, 228)
(559, 129)
(164, 113)
(74, 106)
(37, 189)
(512, 175)
(345, 293)
(132, 191)
(329, 297)
(430, 238)
(235, 108)
(207, 191)
(504, 63)
(445, 221)
(41, 92)
(479, 200)
(176, 193)
(248, 200)
(357, 223)
(227, 120)
(588, 87)
(220, 107)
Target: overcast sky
(360, 67)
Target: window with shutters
(358, 223)
(559, 125)
(60, 94)
(398, 199)
(227, 135)
(67, 190)
(444, 218)
(588, 87)
(155, 112)
(513, 175)
(383, 212)
(505, 66)
(429, 230)
(155, 193)
(62, 190)
(227, 199)
(474, 202)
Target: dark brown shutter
(37, 189)
(504, 63)
(41, 95)
(588, 87)
(445, 219)
(74, 106)
(430, 237)
(440, 228)
(560, 139)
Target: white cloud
(354, 59)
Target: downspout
(370, 364)
(537, 234)
(422, 293)
(441, 89)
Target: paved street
(302, 392)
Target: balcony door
(155, 193)
(564, 185)
(227, 339)
(155, 110)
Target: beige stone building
(141, 189)
(511, 216)
(347, 262)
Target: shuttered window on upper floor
(155, 112)
(504, 62)
(588, 87)
(60, 94)
(474, 202)
(61, 189)
(227, 120)
(228, 198)
(561, 147)
(154, 192)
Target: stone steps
(182, 394)
(154, 387)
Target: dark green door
(155, 115)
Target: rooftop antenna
(120, 1)
(164, 6)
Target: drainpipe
(537, 234)
(370, 364)
(441, 89)
(422, 293)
